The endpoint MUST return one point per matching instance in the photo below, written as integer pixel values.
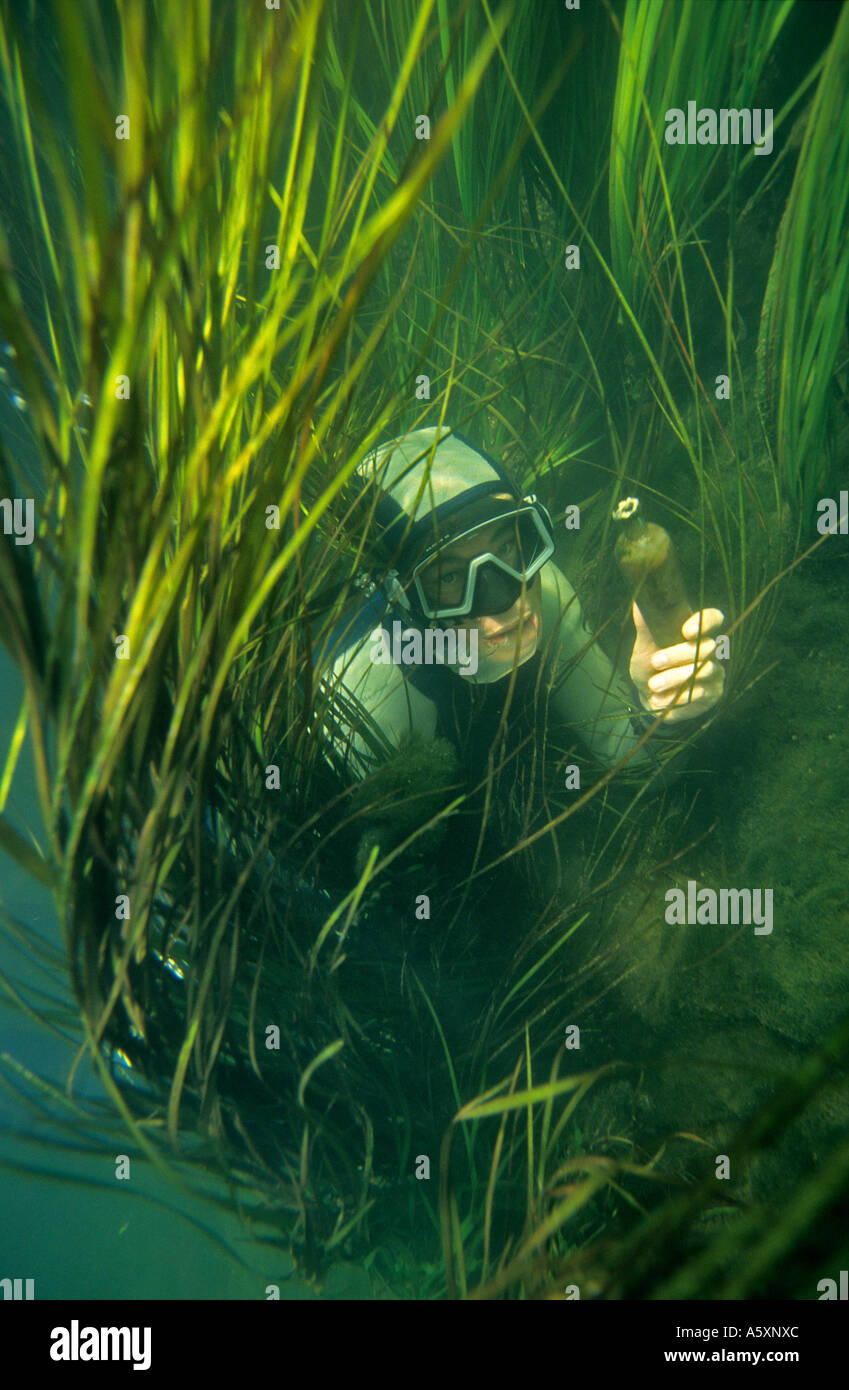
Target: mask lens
(495, 592)
(442, 581)
(530, 544)
(516, 546)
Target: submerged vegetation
(244, 245)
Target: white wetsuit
(376, 706)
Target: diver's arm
(588, 694)
(371, 710)
(382, 734)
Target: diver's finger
(673, 697)
(680, 675)
(645, 643)
(708, 620)
(684, 652)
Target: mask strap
(395, 593)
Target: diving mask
(453, 580)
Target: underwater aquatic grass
(252, 389)
(723, 50)
(670, 1251)
(803, 320)
(152, 528)
(538, 1147)
(747, 1258)
(756, 473)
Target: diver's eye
(445, 588)
(509, 550)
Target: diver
(470, 597)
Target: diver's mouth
(524, 627)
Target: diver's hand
(663, 676)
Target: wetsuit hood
(423, 478)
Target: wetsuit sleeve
(588, 693)
(370, 709)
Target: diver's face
(507, 638)
(514, 634)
